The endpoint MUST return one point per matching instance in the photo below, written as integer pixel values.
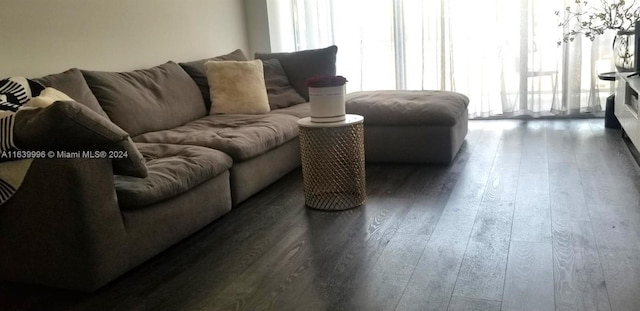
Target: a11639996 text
(63, 154)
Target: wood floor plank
(592, 163)
(611, 190)
(401, 255)
(433, 280)
(380, 292)
(532, 212)
(482, 271)
(366, 243)
(529, 278)
(247, 291)
(470, 187)
(534, 150)
(470, 304)
(503, 180)
(483, 267)
(329, 235)
(622, 275)
(534, 162)
(616, 226)
(579, 281)
(560, 143)
(385, 283)
(414, 179)
(434, 195)
(567, 196)
(358, 260)
(396, 178)
(425, 212)
(422, 217)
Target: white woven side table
(333, 163)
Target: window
(501, 53)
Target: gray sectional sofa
(75, 224)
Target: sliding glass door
(501, 53)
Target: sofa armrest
(63, 226)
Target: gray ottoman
(411, 126)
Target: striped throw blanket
(14, 92)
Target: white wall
(39, 37)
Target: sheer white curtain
(501, 53)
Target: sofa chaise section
(63, 227)
(66, 226)
(411, 126)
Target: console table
(626, 107)
(333, 163)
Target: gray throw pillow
(303, 65)
(70, 126)
(280, 92)
(72, 83)
(198, 73)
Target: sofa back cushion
(72, 83)
(154, 99)
(302, 65)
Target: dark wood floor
(533, 215)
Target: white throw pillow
(237, 87)
(47, 97)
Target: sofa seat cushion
(173, 170)
(408, 107)
(241, 136)
(300, 111)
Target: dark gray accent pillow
(70, 126)
(198, 73)
(148, 100)
(280, 92)
(72, 83)
(303, 65)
